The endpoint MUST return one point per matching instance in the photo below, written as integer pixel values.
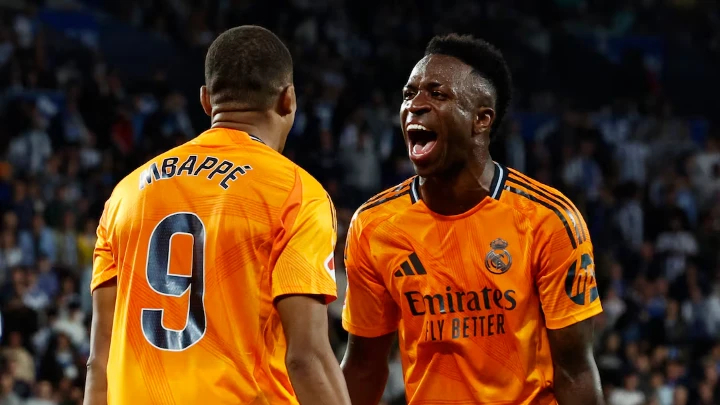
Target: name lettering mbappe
(210, 167)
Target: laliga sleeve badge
(498, 260)
(330, 265)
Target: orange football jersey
(202, 239)
(471, 295)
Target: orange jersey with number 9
(202, 239)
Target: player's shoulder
(288, 178)
(127, 187)
(388, 203)
(311, 187)
(544, 205)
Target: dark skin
(446, 97)
(103, 299)
(365, 367)
(310, 361)
(272, 125)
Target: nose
(419, 104)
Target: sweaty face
(437, 114)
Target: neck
(252, 122)
(460, 191)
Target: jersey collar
(498, 182)
(255, 138)
(227, 135)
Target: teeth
(417, 127)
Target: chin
(428, 169)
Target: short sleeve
(566, 275)
(303, 259)
(369, 309)
(104, 266)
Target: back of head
(486, 61)
(248, 66)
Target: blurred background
(616, 106)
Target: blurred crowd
(611, 127)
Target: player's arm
(104, 293)
(303, 283)
(100, 335)
(310, 361)
(365, 367)
(371, 317)
(569, 296)
(577, 380)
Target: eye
(408, 94)
(438, 95)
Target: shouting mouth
(421, 141)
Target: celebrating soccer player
(214, 260)
(486, 274)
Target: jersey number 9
(158, 275)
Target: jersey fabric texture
(202, 239)
(471, 295)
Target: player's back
(198, 235)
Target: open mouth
(422, 140)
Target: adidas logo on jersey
(411, 268)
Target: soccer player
(214, 260)
(486, 274)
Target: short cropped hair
(248, 65)
(486, 60)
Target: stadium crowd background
(615, 102)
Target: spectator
(591, 117)
(675, 327)
(58, 206)
(59, 360)
(43, 395)
(37, 242)
(583, 172)
(362, 164)
(47, 279)
(680, 396)
(33, 295)
(614, 307)
(608, 360)
(22, 205)
(23, 363)
(71, 325)
(86, 243)
(7, 395)
(10, 254)
(629, 394)
(66, 241)
(28, 152)
(629, 217)
(677, 244)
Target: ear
(483, 120)
(205, 101)
(287, 102)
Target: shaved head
(249, 66)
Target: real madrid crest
(498, 260)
